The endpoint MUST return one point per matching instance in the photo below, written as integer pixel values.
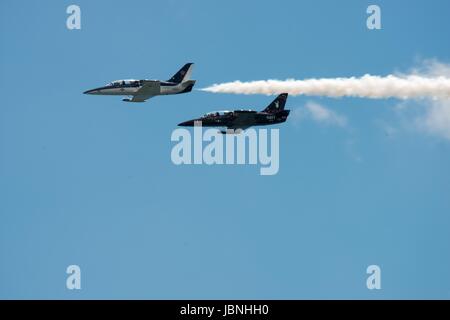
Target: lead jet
(239, 120)
(141, 90)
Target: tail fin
(183, 74)
(277, 104)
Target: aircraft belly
(119, 91)
(211, 123)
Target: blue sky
(88, 180)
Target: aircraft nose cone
(189, 123)
(92, 91)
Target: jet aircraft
(239, 120)
(141, 90)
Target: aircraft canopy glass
(118, 83)
(216, 113)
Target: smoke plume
(368, 86)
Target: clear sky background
(88, 180)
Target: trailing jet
(239, 120)
(141, 90)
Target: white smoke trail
(368, 86)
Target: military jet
(141, 90)
(239, 120)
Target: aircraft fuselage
(239, 119)
(130, 87)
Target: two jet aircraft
(235, 121)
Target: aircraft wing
(234, 127)
(149, 89)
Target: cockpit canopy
(122, 83)
(217, 114)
